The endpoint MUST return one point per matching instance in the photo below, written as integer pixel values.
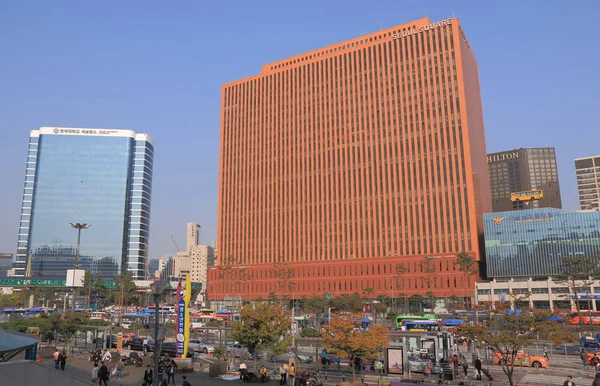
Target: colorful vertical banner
(187, 297)
(180, 322)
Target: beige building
(196, 259)
(542, 293)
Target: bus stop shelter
(12, 343)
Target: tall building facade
(101, 177)
(341, 167)
(522, 170)
(534, 242)
(588, 182)
(6, 263)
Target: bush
(310, 332)
(220, 353)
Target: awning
(11, 343)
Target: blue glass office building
(101, 177)
(533, 242)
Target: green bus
(403, 318)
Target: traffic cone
(38, 358)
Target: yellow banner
(187, 298)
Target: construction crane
(175, 243)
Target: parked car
(137, 343)
(285, 357)
(237, 351)
(170, 349)
(199, 346)
(525, 360)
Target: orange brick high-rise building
(358, 166)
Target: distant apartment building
(6, 263)
(588, 182)
(196, 259)
(520, 170)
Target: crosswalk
(543, 379)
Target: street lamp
(157, 289)
(79, 227)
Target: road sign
(328, 296)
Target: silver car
(285, 357)
(199, 346)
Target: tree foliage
(67, 324)
(576, 273)
(262, 326)
(506, 332)
(341, 335)
(349, 303)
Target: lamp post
(79, 227)
(157, 288)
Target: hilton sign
(503, 156)
(426, 27)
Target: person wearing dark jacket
(597, 380)
(478, 368)
(103, 374)
(569, 381)
(148, 376)
(63, 360)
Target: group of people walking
(101, 372)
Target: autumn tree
(341, 336)
(506, 332)
(262, 326)
(467, 266)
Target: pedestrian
(596, 380)
(242, 369)
(63, 360)
(455, 365)
(107, 356)
(120, 367)
(95, 373)
(263, 374)
(324, 357)
(291, 374)
(171, 371)
(185, 382)
(283, 369)
(569, 381)
(56, 357)
(145, 344)
(583, 357)
(546, 352)
(478, 369)
(103, 374)
(148, 376)
(464, 364)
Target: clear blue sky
(157, 67)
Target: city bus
(420, 325)
(199, 321)
(526, 195)
(401, 318)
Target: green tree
(467, 266)
(263, 327)
(316, 305)
(67, 324)
(415, 304)
(577, 274)
(505, 334)
(341, 336)
(349, 303)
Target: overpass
(55, 282)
